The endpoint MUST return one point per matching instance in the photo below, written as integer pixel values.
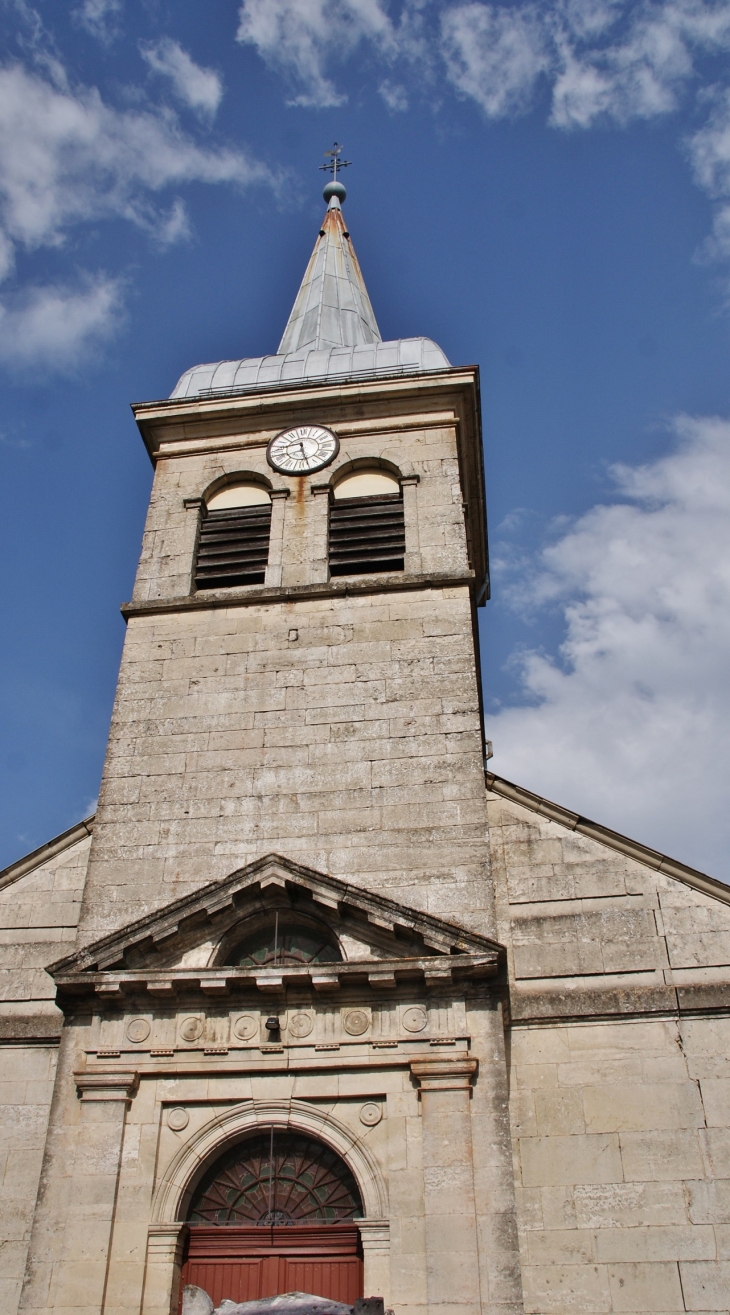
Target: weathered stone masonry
(518, 1043)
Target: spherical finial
(334, 189)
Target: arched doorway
(276, 1213)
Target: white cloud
(642, 75)
(617, 59)
(709, 154)
(394, 95)
(710, 149)
(60, 327)
(299, 36)
(581, 93)
(99, 18)
(199, 88)
(629, 720)
(585, 19)
(174, 226)
(494, 55)
(67, 158)
(601, 60)
(604, 58)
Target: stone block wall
(341, 732)
(623, 1163)
(619, 1076)
(590, 929)
(39, 913)
(26, 1087)
(38, 916)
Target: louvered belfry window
(233, 545)
(367, 526)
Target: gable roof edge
(651, 858)
(45, 852)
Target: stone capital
(444, 1074)
(374, 1234)
(109, 1085)
(279, 493)
(164, 1241)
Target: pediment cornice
(378, 977)
(138, 956)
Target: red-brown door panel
(243, 1264)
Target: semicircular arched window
(284, 945)
(233, 543)
(286, 1178)
(366, 524)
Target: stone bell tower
(288, 924)
(300, 674)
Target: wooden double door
(247, 1263)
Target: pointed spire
(332, 332)
(332, 308)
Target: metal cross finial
(335, 162)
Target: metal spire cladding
(331, 332)
(332, 308)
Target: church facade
(315, 1001)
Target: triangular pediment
(190, 937)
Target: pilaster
(319, 532)
(409, 488)
(276, 538)
(165, 1245)
(375, 1239)
(452, 1253)
(70, 1245)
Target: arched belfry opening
(366, 523)
(276, 1213)
(233, 538)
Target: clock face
(304, 449)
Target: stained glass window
(302, 1182)
(284, 944)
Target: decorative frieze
(315, 1024)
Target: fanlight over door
(277, 1178)
(284, 945)
(276, 1214)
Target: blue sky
(542, 188)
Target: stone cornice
(375, 975)
(253, 594)
(260, 402)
